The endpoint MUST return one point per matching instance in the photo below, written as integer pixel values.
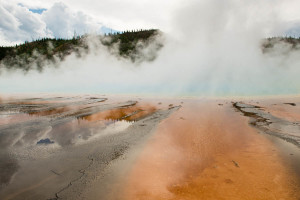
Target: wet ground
(99, 147)
(49, 144)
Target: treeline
(44, 46)
(38, 52)
(51, 50)
(128, 41)
(269, 43)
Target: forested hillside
(277, 43)
(126, 45)
(135, 46)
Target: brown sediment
(51, 111)
(257, 117)
(129, 113)
(213, 154)
(32, 102)
(36, 101)
(62, 109)
(291, 104)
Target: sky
(25, 20)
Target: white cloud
(120, 14)
(63, 22)
(18, 24)
(136, 14)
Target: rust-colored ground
(206, 151)
(130, 113)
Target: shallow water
(31, 128)
(206, 151)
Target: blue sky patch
(39, 10)
(34, 10)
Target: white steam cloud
(214, 48)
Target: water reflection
(8, 117)
(23, 134)
(45, 141)
(25, 123)
(81, 130)
(38, 127)
(64, 134)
